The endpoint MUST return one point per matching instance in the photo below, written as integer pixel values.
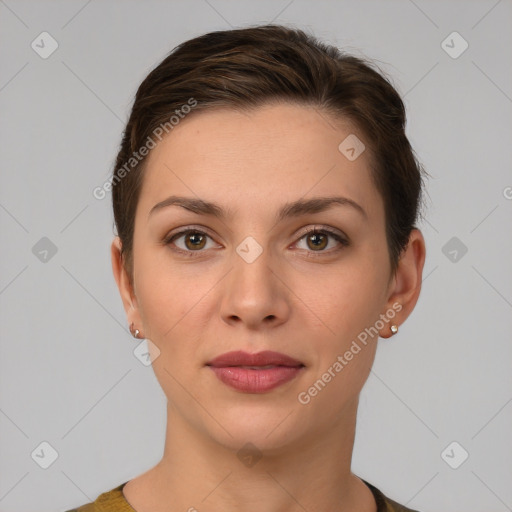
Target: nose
(255, 294)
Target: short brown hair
(245, 68)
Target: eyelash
(174, 236)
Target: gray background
(68, 373)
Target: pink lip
(231, 369)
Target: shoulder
(385, 504)
(110, 501)
(114, 501)
(89, 507)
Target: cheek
(344, 351)
(347, 297)
(172, 300)
(169, 305)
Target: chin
(252, 440)
(268, 428)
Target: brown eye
(193, 241)
(317, 240)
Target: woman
(265, 197)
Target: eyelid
(184, 229)
(322, 229)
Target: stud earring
(135, 332)
(394, 329)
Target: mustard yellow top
(114, 501)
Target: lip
(265, 358)
(255, 373)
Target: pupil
(316, 239)
(196, 239)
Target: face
(255, 277)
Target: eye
(193, 240)
(318, 239)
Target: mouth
(255, 373)
(260, 360)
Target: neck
(197, 473)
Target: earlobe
(406, 285)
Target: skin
(307, 302)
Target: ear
(125, 286)
(405, 285)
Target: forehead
(274, 153)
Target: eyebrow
(288, 210)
